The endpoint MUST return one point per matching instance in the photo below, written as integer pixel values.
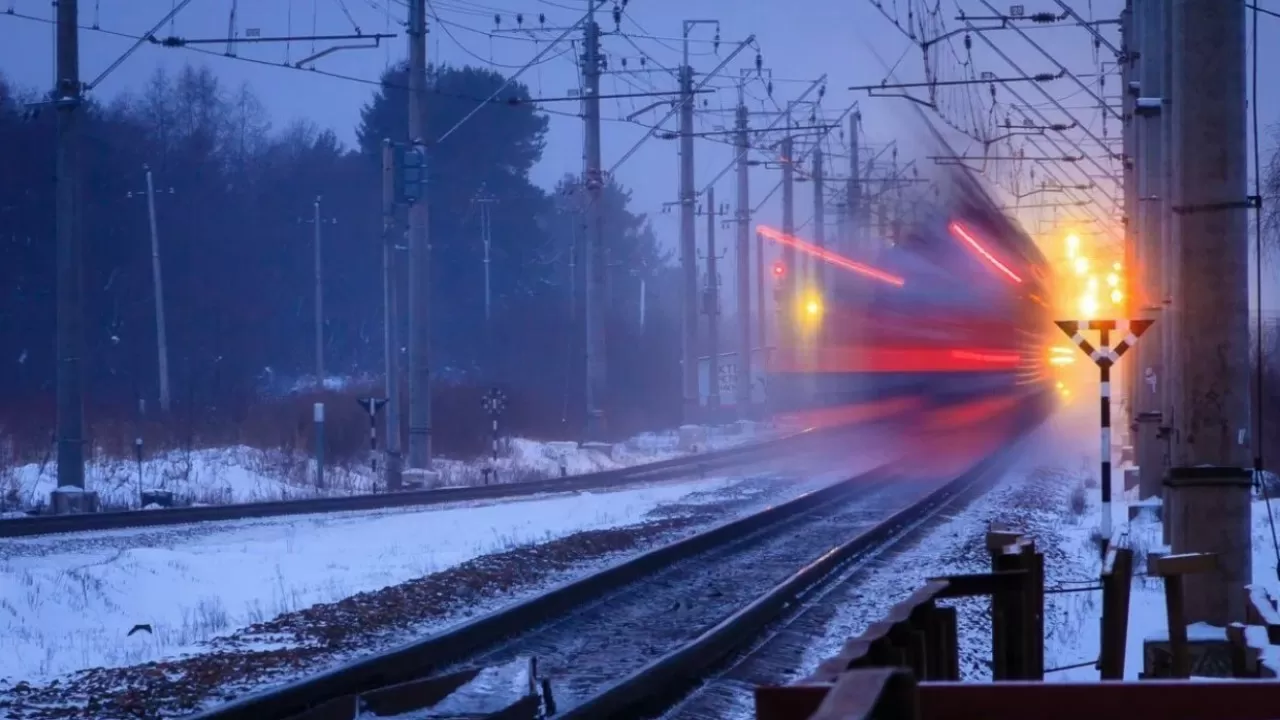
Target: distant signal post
(1105, 357)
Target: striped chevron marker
(1105, 357)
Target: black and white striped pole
(493, 402)
(372, 405)
(1105, 357)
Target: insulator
(542, 18)
(759, 63)
(642, 62)
(822, 91)
(1043, 18)
(768, 88)
(968, 42)
(993, 91)
(715, 44)
(617, 16)
(624, 62)
(520, 19)
(497, 19)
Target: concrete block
(159, 498)
(73, 500)
(1131, 475)
(1208, 509)
(418, 479)
(1153, 508)
(1126, 454)
(693, 438)
(1210, 657)
(603, 448)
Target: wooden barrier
(883, 694)
(905, 667)
(1117, 581)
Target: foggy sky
(850, 40)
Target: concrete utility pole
(1133, 265)
(688, 242)
(596, 266)
(67, 99)
(162, 344)
(819, 218)
(390, 319)
(485, 199)
(1152, 209)
(419, 255)
(854, 203)
(316, 221)
(1170, 277)
(1209, 489)
(712, 310)
(789, 213)
(742, 141)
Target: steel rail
(421, 663)
(420, 659)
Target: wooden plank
(881, 693)
(1183, 564)
(1228, 700)
(1262, 610)
(979, 584)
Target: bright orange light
(959, 231)
(1113, 280)
(813, 308)
(1082, 265)
(1116, 296)
(1088, 307)
(828, 256)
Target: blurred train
(955, 310)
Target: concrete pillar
(1150, 455)
(1208, 511)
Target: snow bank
(221, 476)
(68, 603)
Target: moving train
(955, 310)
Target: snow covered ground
(1030, 496)
(243, 474)
(1147, 614)
(1053, 496)
(68, 603)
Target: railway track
(649, 472)
(634, 638)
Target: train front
(951, 312)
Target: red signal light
(779, 269)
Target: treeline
(234, 197)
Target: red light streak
(828, 256)
(959, 231)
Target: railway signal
(494, 403)
(1105, 357)
(372, 405)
